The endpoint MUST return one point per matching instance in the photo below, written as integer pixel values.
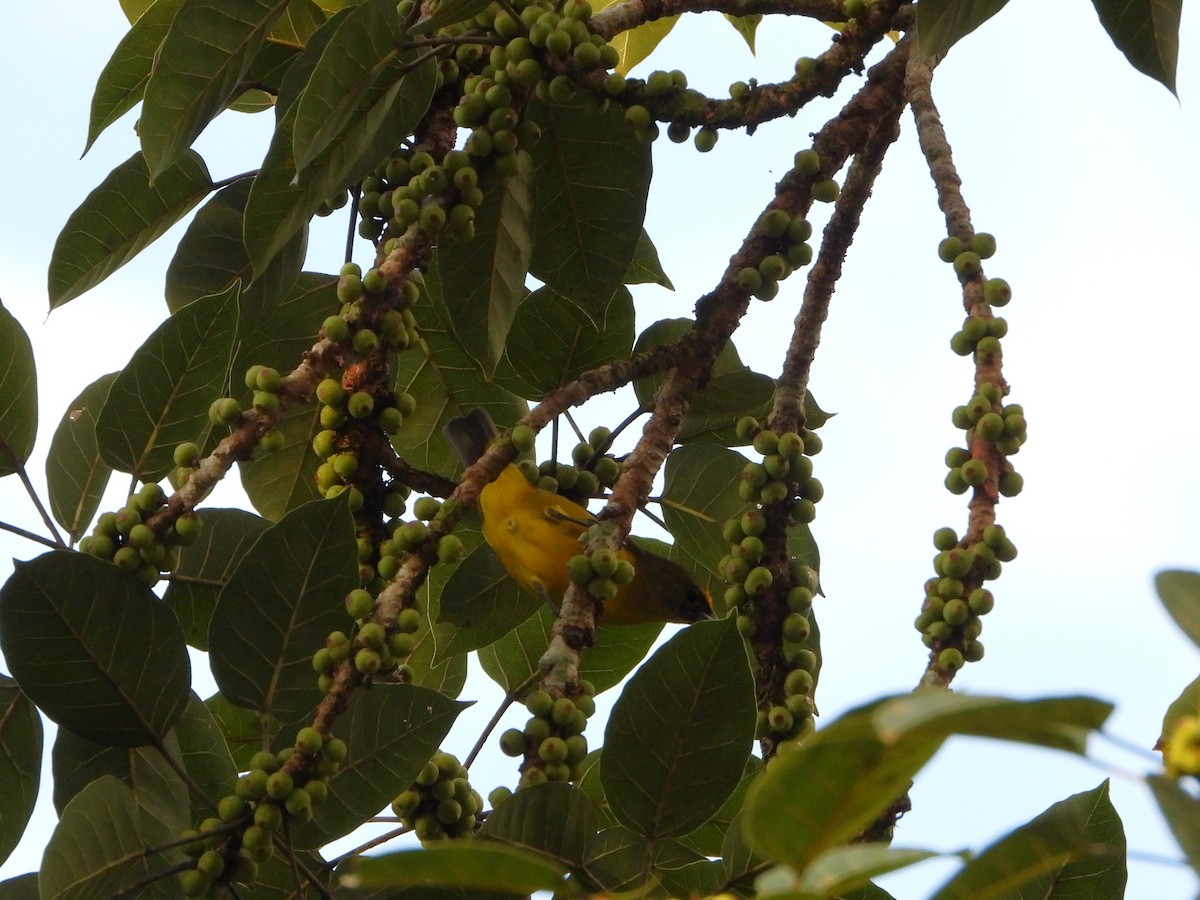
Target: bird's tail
(470, 435)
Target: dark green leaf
(1076, 848)
(482, 602)
(76, 476)
(204, 751)
(243, 731)
(390, 731)
(474, 864)
(1147, 32)
(942, 23)
(23, 887)
(276, 330)
(678, 738)
(1186, 704)
(18, 388)
(280, 203)
(1182, 812)
(842, 869)
(119, 219)
(1180, 594)
(593, 175)
(554, 820)
(75, 630)
(553, 341)
(477, 285)
(161, 398)
(1059, 722)
(206, 51)
(589, 782)
(205, 566)
(827, 790)
(645, 267)
(448, 385)
(709, 838)
(20, 763)
(448, 676)
(277, 607)
(357, 68)
(123, 80)
(702, 878)
(285, 479)
(298, 23)
(96, 849)
(617, 859)
(76, 762)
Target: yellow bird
(535, 532)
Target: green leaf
(1076, 848)
(475, 865)
(211, 258)
(243, 731)
(1186, 704)
(119, 219)
(1182, 812)
(280, 202)
(22, 887)
(709, 838)
(482, 602)
(390, 731)
(645, 267)
(827, 790)
(637, 43)
(206, 51)
(449, 676)
(841, 869)
(554, 820)
(1180, 594)
(1147, 32)
(702, 878)
(449, 12)
(593, 175)
(553, 341)
(76, 476)
(285, 479)
(678, 738)
(75, 630)
(276, 330)
(1062, 723)
(122, 81)
(205, 566)
(447, 382)
(746, 26)
(18, 388)
(481, 282)
(357, 68)
(277, 607)
(943, 23)
(161, 398)
(510, 660)
(617, 859)
(204, 752)
(20, 763)
(96, 849)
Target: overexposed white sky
(1083, 169)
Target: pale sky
(1083, 169)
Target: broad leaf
(390, 731)
(554, 820)
(122, 82)
(482, 602)
(842, 869)
(76, 475)
(1180, 594)
(97, 848)
(20, 763)
(942, 23)
(480, 283)
(119, 219)
(18, 395)
(277, 607)
(205, 566)
(1182, 812)
(553, 341)
(22, 887)
(746, 26)
(279, 482)
(472, 864)
(161, 398)
(1076, 848)
(645, 267)
(617, 859)
(678, 738)
(204, 751)
(593, 175)
(449, 12)
(1147, 32)
(207, 49)
(75, 630)
(1186, 704)
(243, 731)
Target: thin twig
(508, 701)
